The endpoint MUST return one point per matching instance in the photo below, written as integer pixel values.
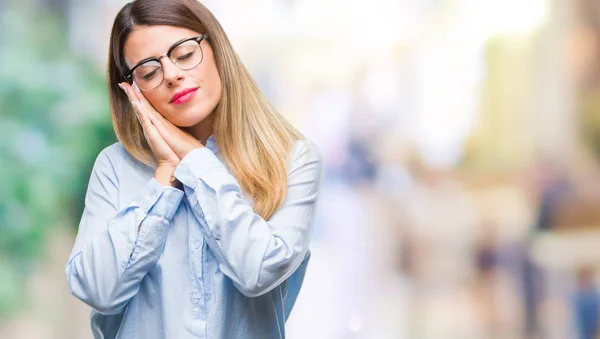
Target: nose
(171, 73)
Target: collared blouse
(203, 264)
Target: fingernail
(122, 87)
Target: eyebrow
(156, 57)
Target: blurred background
(461, 140)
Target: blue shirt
(203, 264)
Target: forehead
(148, 41)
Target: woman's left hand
(181, 142)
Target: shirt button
(197, 245)
(196, 296)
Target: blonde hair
(254, 140)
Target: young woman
(197, 223)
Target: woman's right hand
(164, 155)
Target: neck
(202, 130)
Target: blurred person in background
(197, 222)
(486, 258)
(586, 304)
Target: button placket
(196, 296)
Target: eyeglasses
(186, 54)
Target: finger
(158, 119)
(155, 116)
(128, 91)
(146, 125)
(139, 97)
(135, 96)
(150, 131)
(138, 118)
(159, 126)
(145, 121)
(137, 113)
(159, 122)
(140, 115)
(163, 127)
(146, 104)
(151, 112)
(137, 107)
(148, 111)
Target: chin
(189, 121)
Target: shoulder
(116, 159)
(305, 148)
(106, 167)
(306, 154)
(111, 156)
(117, 154)
(115, 163)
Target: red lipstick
(183, 96)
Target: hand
(164, 155)
(180, 141)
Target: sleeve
(256, 254)
(110, 258)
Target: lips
(182, 95)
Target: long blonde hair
(254, 140)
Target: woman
(197, 223)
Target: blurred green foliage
(54, 120)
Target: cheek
(214, 90)
(214, 86)
(157, 101)
(160, 103)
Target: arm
(110, 258)
(256, 254)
